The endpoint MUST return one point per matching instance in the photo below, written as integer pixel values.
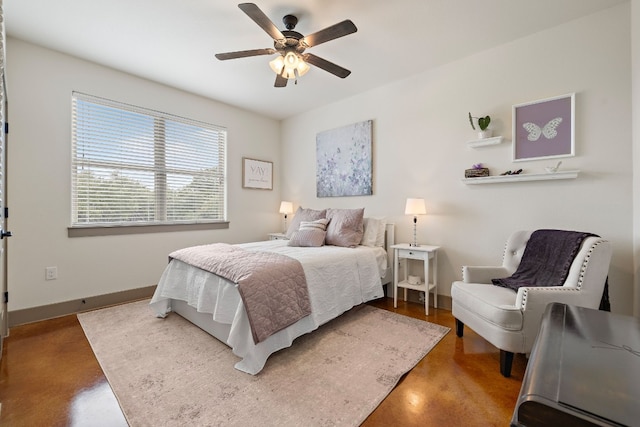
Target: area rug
(168, 372)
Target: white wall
(420, 130)
(40, 83)
(635, 67)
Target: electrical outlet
(51, 273)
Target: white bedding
(338, 279)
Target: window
(133, 166)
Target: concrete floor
(49, 376)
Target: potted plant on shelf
(483, 124)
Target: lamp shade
(277, 64)
(286, 207)
(415, 207)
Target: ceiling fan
(290, 46)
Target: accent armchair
(510, 319)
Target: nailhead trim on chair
(580, 279)
(586, 262)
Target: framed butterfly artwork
(544, 129)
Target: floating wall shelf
(485, 142)
(571, 174)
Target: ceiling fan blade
(280, 81)
(245, 53)
(326, 65)
(338, 30)
(261, 19)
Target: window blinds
(135, 166)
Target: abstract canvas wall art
(344, 161)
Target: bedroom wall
(635, 67)
(40, 82)
(420, 129)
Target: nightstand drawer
(412, 254)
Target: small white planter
(487, 133)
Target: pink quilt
(273, 287)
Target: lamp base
(415, 234)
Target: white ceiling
(173, 41)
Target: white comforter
(338, 279)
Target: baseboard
(35, 314)
(444, 301)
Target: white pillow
(373, 232)
(370, 232)
(382, 228)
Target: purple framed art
(544, 129)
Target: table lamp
(415, 207)
(286, 208)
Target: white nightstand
(429, 283)
(277, 236)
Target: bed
(338, 279)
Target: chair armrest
(537, 298)
(482, 274)
(533, 301)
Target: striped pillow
(319, 224)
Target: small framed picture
(544, 129)
(257, 174)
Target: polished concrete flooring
(50, 377)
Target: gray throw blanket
(273, 287)
(546, 259)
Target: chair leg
(506, 360)
(459, 328)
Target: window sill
(115, 230)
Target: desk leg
(395, 278)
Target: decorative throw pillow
(319, 224)
(304, 215)
(307, 238)
(345, 227)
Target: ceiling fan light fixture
(291, 60)
(293, 65)
(303, 67)
(277, 64)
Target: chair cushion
(492, 303)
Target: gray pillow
(345, 227)
(304, 215)
(307, 238)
